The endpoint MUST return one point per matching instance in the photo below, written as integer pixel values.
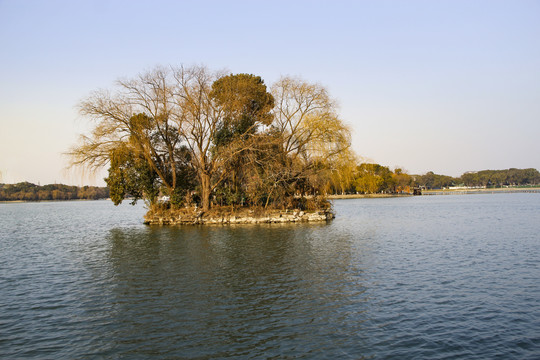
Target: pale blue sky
(447, 86)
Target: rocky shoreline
(200, 218)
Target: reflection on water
(274, 289)
(423, 277)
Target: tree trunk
(205, 191)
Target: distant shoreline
(46, 201)
(440, 192)
(481, 191)
(363, 196)
(366, 196)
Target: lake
(429, 277)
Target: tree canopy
(205, 137)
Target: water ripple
(425, 277)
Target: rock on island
(185, 217)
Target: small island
(202, 147)
(229, 216)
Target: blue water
(434, 277)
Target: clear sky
(447, 86)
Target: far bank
(441, 192)
(481, 191)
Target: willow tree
(313, 135)
(373, 178)
(341, 172)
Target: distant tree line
(484, 178)
(26, 191)
(498, 178)
(365, 178)
(369, 178)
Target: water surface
(406, 278)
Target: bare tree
(140, 116)
(199, 119)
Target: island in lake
(200, 147)
(211, 143)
